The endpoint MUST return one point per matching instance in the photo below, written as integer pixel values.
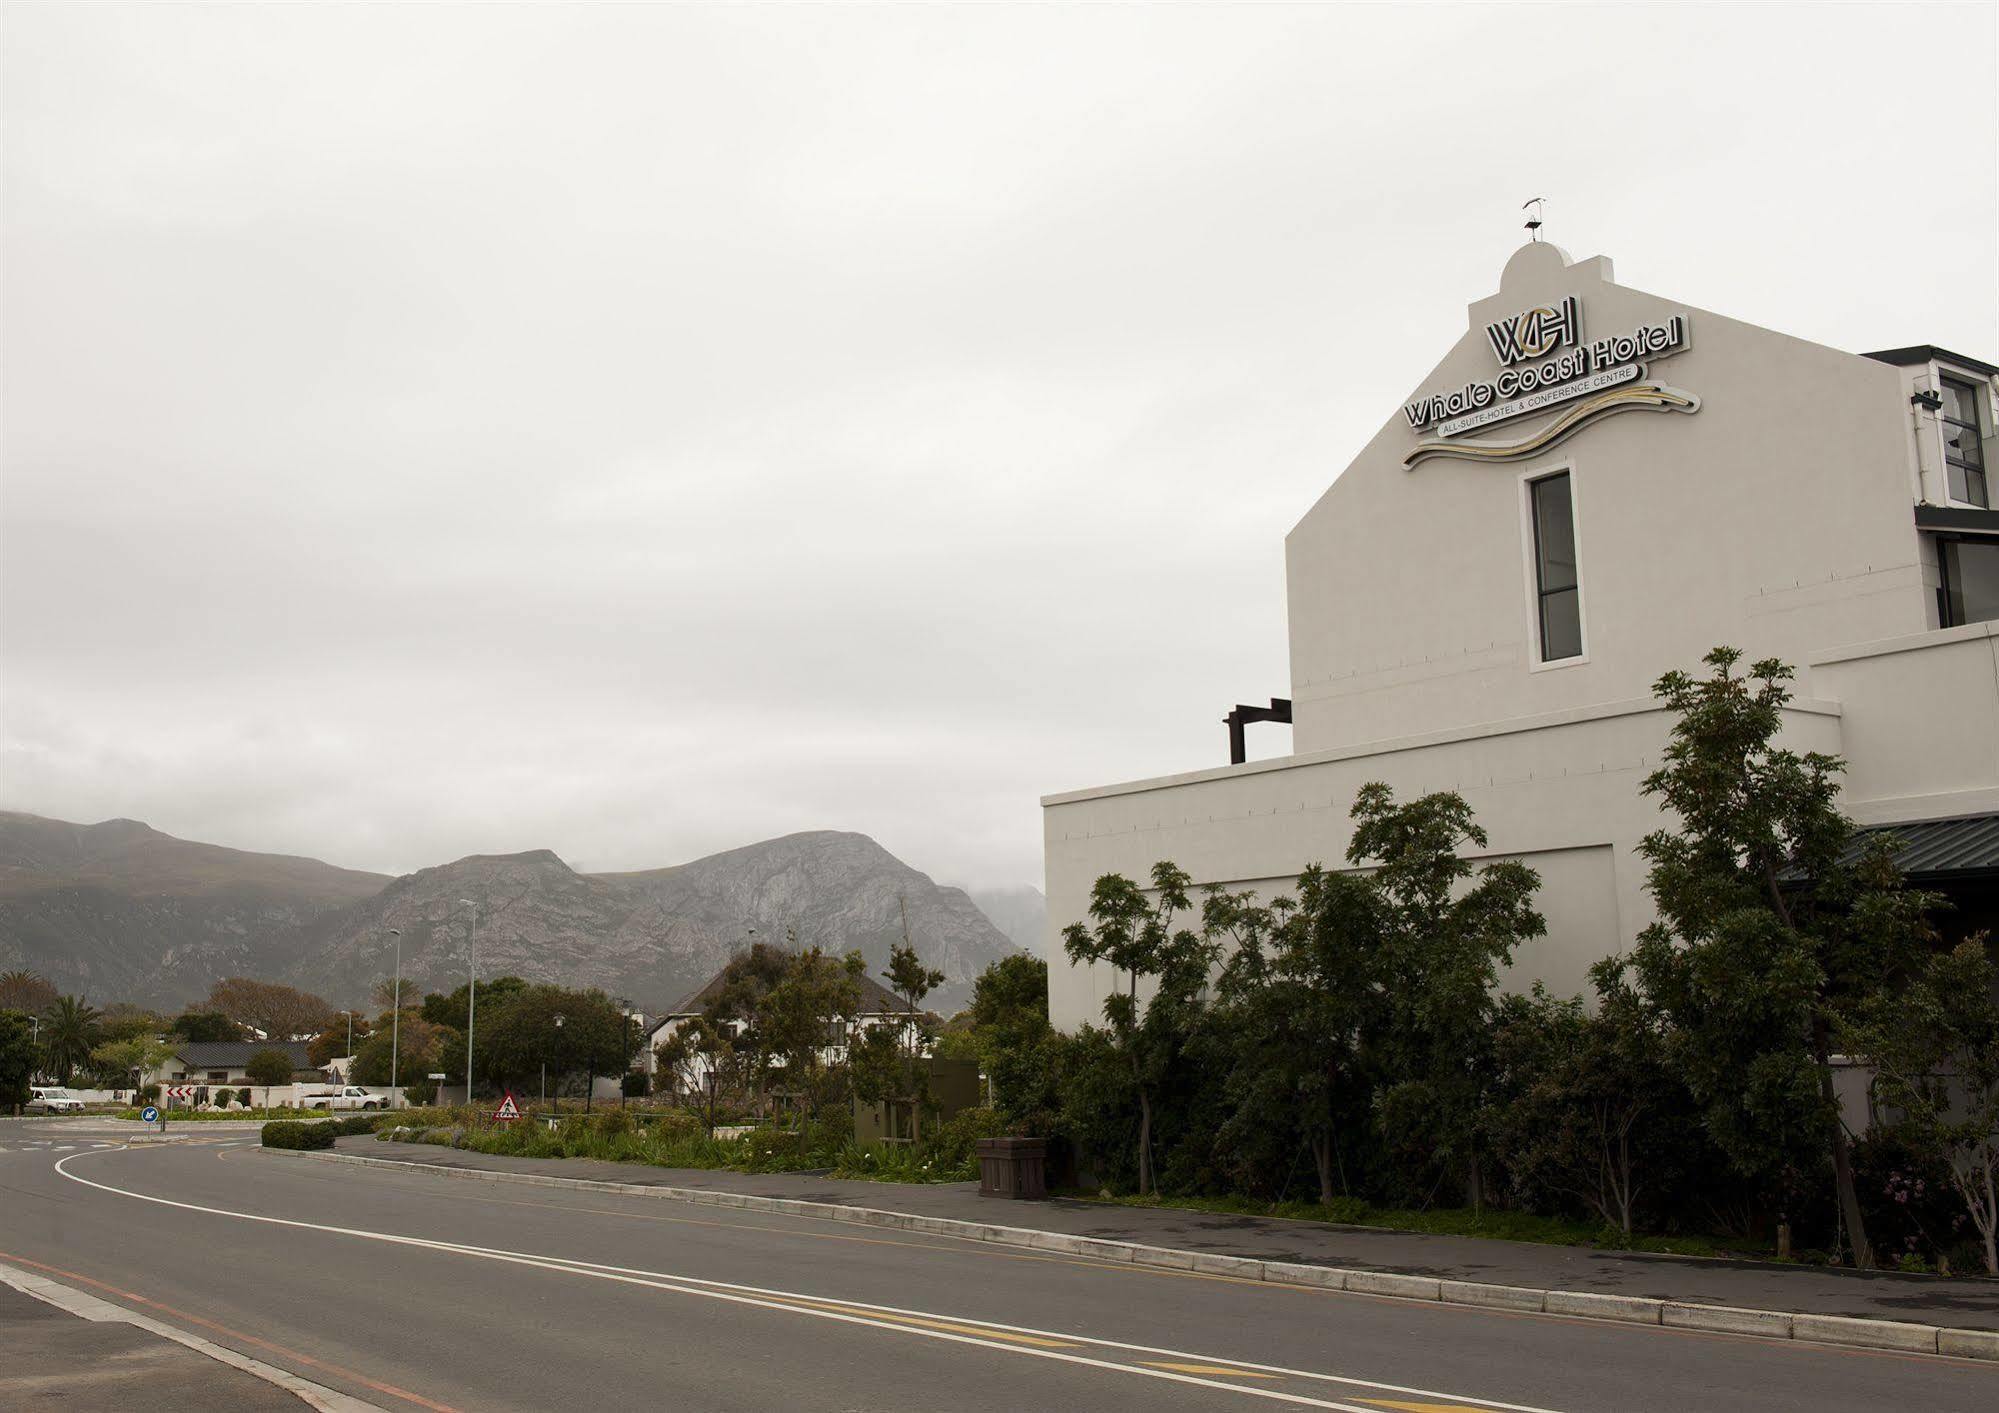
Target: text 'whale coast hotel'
(1597, 485)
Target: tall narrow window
(1963, 454)
(1557, 596)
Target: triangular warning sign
(507, 1110)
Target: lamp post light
(396, 1022)
(544, 1071)
(471, 990)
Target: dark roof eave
(1956, 519)
(1929, 352)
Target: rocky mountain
(122, 912)
(835, 890)
(1021, 913)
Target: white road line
(750, 1295)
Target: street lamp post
(396, 1022)
(544, 1072)
(471, 990)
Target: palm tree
(69, 1033)
(26, 992)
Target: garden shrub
(290, 1133)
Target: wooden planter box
(1013, 1167)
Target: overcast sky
(636, 432)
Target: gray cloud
(635, 431)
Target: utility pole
(396, 1022)
(471, 990)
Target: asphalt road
(414, 1292)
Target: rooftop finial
(1532, 206)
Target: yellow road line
(1224, 1370)
(982, 1331)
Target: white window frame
(1531, 576)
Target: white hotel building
(1594, 486)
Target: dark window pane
(1961, 428)
(1960, 402)
(1555, 580)
(1975, 489)
(1561, 625)
(1554, 534)
(1971, 581)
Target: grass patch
(1488, 1222)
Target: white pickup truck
(350, 1096)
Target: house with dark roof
(226, 1062)
(879, 1006)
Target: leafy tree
(737, 1005)
(69, 1034)
(1020, 1052)
(332, 1043)
(1935, 1049)
(115, 1062)
(886, 1061)
(17, 1059)
(279, 1011)
(123, 1021)
(1591, 1115)
(520, 1035)
(1135, 934)
(1448, 927)
(449, 1009)
(406, 1052)
(269, 1068)
(696, 1058)
(1304, 989)
(809, 1010)
(26, 992)
(1764, 935)
(192, 1025)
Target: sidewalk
(1960, 1302)
(54, 1358)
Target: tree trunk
(1144, 1143)
(1322, 1155)
(1842, 1155)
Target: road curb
(89, 1307)
(1847, 1331)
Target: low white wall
(1562, 793)
(1919, 723)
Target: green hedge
(289, 1133)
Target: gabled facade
(1593, 486)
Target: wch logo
(1536, 331)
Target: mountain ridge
(124, 912)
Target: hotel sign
(1575, 369)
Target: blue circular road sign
(150, 1114)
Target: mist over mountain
(1020, 912)
(119, 911)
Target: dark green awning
(1938, 850)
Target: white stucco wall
(1777, 518)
